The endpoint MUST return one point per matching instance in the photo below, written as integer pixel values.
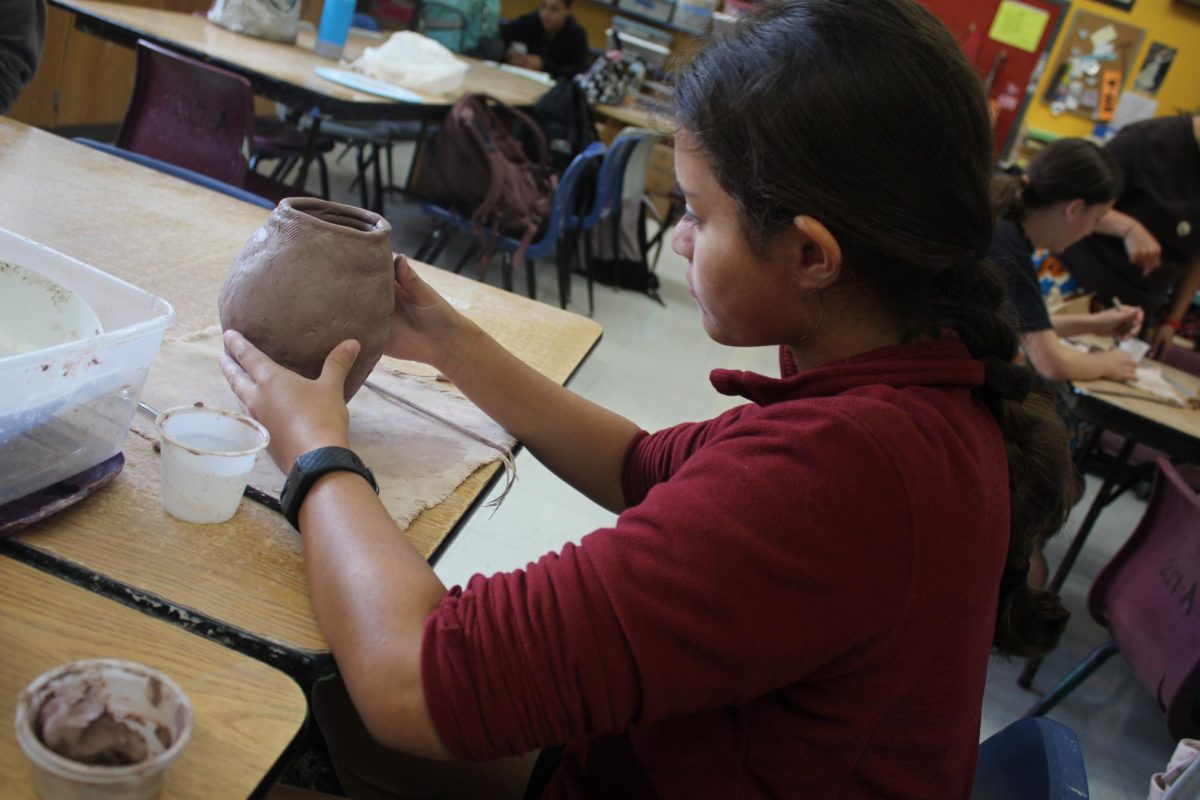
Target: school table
(241, 582)
(247, 714)
(286, 73)
(1140, 418)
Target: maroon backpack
(480, 169)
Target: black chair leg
(438, 231)
(562, 258)
(323, 174)
(361, 165)
(530, 277)
(585, 250)
(378, 172)
(1072, 679)
(439, 246)
(506, 277)
(472, 249)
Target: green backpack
(464, 26)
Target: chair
(1032, 759)
(179, 172)
(622, 178)
(196, 116)
(561, 208)
(1145, 597)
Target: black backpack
(567, 120)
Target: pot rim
(302, 208)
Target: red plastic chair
(1147, 597)
(196, 116)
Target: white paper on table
(1150, 379)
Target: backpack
(464, 26)
(567, 120)
(479, 168)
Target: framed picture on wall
(1122, 4)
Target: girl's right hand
(1120, 322)
(1119, 365)
(424, 326)
(1143, 249)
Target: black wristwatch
(311, 466)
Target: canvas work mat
(417, 460)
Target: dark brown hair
(865, 115)
(1062, 171)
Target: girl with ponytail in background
(800, 596)
(1069, 186)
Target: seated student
(799, 596)
(548, 39)
(1147, 250)
(1070, 184)
(22, 35)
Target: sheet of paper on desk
(1150, 379)
(417, 461)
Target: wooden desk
(284, 72)
(242, 582)
(247, 713)
(1140, 419)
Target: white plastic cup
(207, 455)
(143, 699)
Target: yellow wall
(1164, 21)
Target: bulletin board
(1093, 48)
(1006, 65)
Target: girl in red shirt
(799, 596)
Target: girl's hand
(300, 414)
(1119, 365)
(1162, 342)
(425, 327)
(1120, 322)
(1143, 249)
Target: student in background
(1069, 186)
(793, 588)
(22, 35)
(548, 39)
(1147, 250)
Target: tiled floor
(652, 366)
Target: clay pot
(316, 273)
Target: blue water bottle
(334, 28)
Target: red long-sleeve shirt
(798, 602)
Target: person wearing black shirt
(1149, 250)
(1070, 185)
(553, 41)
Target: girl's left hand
(300, 414)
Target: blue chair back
(179, 172)
(609, 181)
(1034, 758)
(562, 205)
(364, 21)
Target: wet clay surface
(77, 723)
(315, 274)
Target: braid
(1041, 480)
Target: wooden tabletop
(639, 117)
(177, 241)
(1181, 422)
(274, 66)
(247, 713)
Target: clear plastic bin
(66, 408)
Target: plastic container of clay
(66, 408)
(107, 708)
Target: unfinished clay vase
(316, 273)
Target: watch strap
(311, 466)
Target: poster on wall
(1154, 69)
(1081, 80)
